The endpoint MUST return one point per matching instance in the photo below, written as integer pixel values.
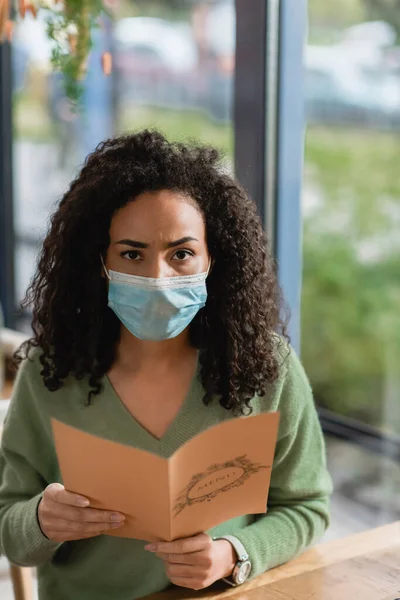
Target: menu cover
(221, 473)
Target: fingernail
(117, 517)
(82, 502)
(115, 525)
(150, 547)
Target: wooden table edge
(317, 557)
(335, 551)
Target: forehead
(158, 214)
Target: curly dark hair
(240, 329)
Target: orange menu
(221, 473)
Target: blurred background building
(233, 74)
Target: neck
(141, 355)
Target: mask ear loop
(210, 264)
(105, 268)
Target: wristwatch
(242, 568)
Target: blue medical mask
(156, 308)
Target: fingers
(65, 516)
(59, 530)
(184, 571)
(69, 536)
(57, 493)
(60, 503)
(193, 558)
(188, 578)
(193, 577)
(82, 515)
(189, 583)
(196, 543)
(195, 562)
(61, 525)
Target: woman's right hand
(64, 516)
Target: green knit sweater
(105, 567)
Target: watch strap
(238, 546)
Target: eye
(131, 254)
(182, 255)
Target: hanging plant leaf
(70, 29)
(69, 25)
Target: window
(351, 218)
(174, 69)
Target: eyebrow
(135, 244)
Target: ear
(103, 272)
(211, 265)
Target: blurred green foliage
(351, 249)
(335, 14)
(179, 125)
(351, 276)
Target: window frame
(290, 157)
(7, 235)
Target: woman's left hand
(196, 562)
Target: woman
(123, 351)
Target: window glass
(173, 69)
(351, 212)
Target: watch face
(244, 572)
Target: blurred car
(344, 85)
(156, 61)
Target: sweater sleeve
(298, 503)
(22, 476)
